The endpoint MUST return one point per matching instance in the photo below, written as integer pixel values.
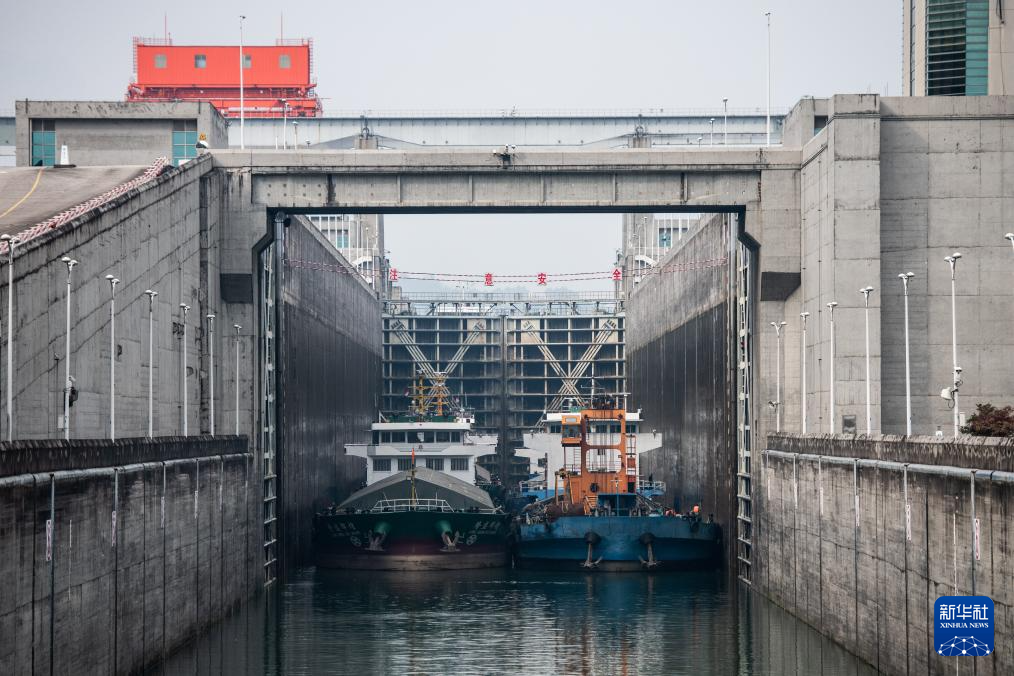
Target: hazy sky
(482, 54)
(544, 54)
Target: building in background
(277, 79)
(100, 133)
(647, 239)
(957, 48)
(360, 240)
(506, 360)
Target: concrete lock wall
(162, 236)
(330, 379)
(858, 537)
(111, 568)
(678, 369)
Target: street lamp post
(285, 121)
(768, 15)
(237, 327)
(866, 290)
(295, 134)
(67, 383)
(712, 131)
(725, 121)
(831, 306)
(242, 111)
(905, 277)
(113, 281)
(953, 261)
(778, 375)
(11, 242)
(211, 368)
(151, 364)
(185, 309)
(802, 377)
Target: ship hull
(411, 540)
(676, 544)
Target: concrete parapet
(984, 453)
(53, 455)
(858, 537)
(109, 569)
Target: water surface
(511, 622)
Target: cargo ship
(597, 515)
(422, 507)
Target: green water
(511, 622)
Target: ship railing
(645, 485)
(527, 486)
(423, 505)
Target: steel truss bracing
(507, 369)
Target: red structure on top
(277, 80)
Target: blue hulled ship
(597, 516)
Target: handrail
(423, 505)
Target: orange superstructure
(277, 79)
(607, 461)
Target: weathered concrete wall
(329, 380)
(163, 236)
(111, 568)
(944, 188)
(858, 537)
(679, 373)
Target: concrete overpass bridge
(874, 191)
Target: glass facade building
(957, 45)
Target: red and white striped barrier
(70, 214)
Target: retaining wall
(109, 569)
(858, 537)
(678, 372)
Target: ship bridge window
(572, 431)
(459, 464)
(381, 464)
(427, 437)
(376, 438)
(554, 429)
(631, 428)
(160, 61)
(404, 464)
(615, 429)
(200, 61)
(455, 437)
(247, 61)
(284, 61)
(435, 464)
(385, 437)
(443, 437)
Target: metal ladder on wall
(269, 415)
(744, 393)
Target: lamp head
(237, 327)
(150, 293)
(210, 316)
(109, 277)
(833, 304)
(6, 238)
(804, 315)
(1010, 236)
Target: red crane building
(277, 79)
